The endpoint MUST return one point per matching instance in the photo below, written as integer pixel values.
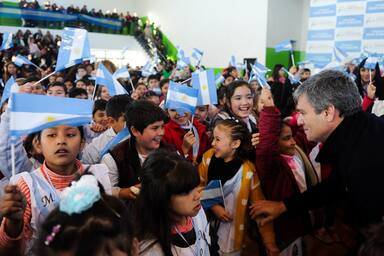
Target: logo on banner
(374, 33)
(321, 11)
(348, 34)
(375, 7)
(326, 34)
(349, 46)
(322, 23)
(374, 20)
(351, 8)
(350, 21)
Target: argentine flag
(371, 61)
(10, 87)
(293, 79)
(21, 60)
(339, 54)
(212, 194)
(104, 77)
(197, 54)
(182, 98)
(7, 41)
(32, 113)
(122, 73)
(205, 82)
(73, 49)
(285, 45)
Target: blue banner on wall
(42, 15)
(353, 26)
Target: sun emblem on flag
(204, 87)
(77, 50)
(183, 98)
(50, 118)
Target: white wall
(288, 19)
(218, 27)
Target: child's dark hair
(117, 105)
(163, 82)
(163, 174)
(238, 131)
(142, 113)
(150, 94)
(99, 105)
(374, 244)
(77, 92)
(97, 231)
(231, 88)
(151, 77)
(57, 84)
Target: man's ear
(331, 113)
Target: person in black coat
(353, 141)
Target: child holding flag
(170, 189)
(34, 194)
(228, 162)
(189, 138)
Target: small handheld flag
(182, 98)
(43, 112)
(197, 55)
(205, 82)
(10, 87)
(21, 60)
(123, 134)
(122, 73)
(104, 77)
(339, 54)
(212, 194)
(7, 41)
(285, 45)
(73, 49)
(292, 78)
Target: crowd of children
(130, 183)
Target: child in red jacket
(190, 140)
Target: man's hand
(265, 211)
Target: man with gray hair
(330, 112)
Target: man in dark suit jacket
(353, 141)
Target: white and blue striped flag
(219, 79)
(7, 41)
(182, 59)
(182, 98)
(197, 54)
(339, 54)
(104, 77)
(21, 60)
(73, 49)
(205, 82)
(10, 87)
(285, 45)
(148, 69)
(212, 194)
(122, 73)
(43, 112)
(293, 79)
(371, 61)
(122, 135)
